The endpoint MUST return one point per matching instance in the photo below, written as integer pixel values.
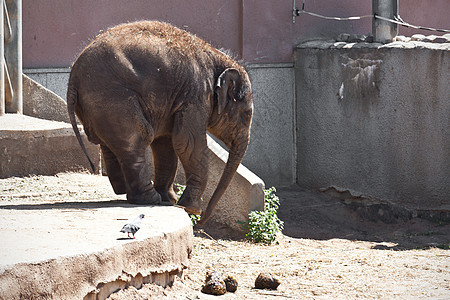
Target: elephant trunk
(235, 156)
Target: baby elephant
(150, 83)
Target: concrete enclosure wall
(375, 122)
(343, 142)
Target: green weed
(263, 226)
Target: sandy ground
(326, 250)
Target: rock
(231, 284)
(356, 38)
(441, 39)
(369, 38)
(402, 38)
(429, 39)
(214, 285)
(343, 37)
(417, 37)
(266, 281)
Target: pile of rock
(440, 39)
(355, 41)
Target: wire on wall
(398, 20)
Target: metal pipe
(13, 56)
(6, 23)
(384, 31)
(2, 55)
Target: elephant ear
(227, 86)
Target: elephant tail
(72, 97)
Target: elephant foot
(190, 208)
(199, 225)
(149, 198)
(167, 197)
(119, 191)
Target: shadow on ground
(73, 205)
(320, 216)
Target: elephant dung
(266, 281)
(216, 285)
(231, 284)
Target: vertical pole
(2, 55)
(13, 55)
(241, 29)
(384, 31)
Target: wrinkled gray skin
(149, 83)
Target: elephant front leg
(165, 163)
(192, 151)
(114, 171)
(196, 179)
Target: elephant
(150, 84)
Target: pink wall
(270, 35)
(54, 32)
(429, 13)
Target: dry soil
(326, 250)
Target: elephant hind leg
(139, 185)
(114, 171)
(126, 133)
(165, 163)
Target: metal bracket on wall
(296, 11)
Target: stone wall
(373, 120)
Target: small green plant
(263, 226)
(179, 191)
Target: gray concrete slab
(70, 250)
(271, 153)
(54, 79)
(36, 146)
(374, 122)
(40, 102)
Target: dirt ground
(327, 250)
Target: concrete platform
(35, 146)
(74, 250)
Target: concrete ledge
(54, 79)
(36, 146)
(75, 250)
(42, 103)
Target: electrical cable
(398, 20)
(405, 24)
(332, 18)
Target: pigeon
(133, 226)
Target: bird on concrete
(133, 226)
